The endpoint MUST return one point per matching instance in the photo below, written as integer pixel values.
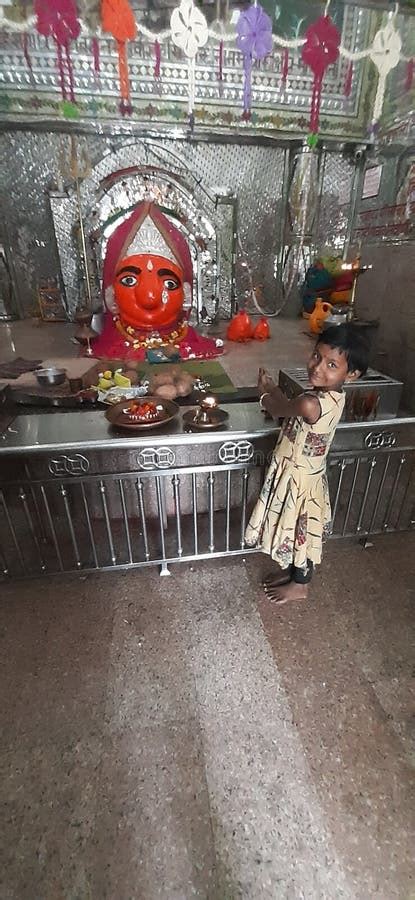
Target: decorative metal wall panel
(31, 165)
(335, 201)
(276, 104)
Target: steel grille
(160, 517)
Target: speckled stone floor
(178, 737)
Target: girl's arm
(274, 401)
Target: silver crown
(150, 240)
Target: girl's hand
(266, 384)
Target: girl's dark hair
(349, 339)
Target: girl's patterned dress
(292, 514)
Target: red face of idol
(149, 291)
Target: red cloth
(111, 345)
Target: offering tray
(120, 416)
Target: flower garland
(320, 46)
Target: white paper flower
(385, 54)
(189, 29)
(386, 48)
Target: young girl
(292, 514)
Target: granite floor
(179, 737)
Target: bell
(84, 334)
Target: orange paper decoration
(118, 19)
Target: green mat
(207, 370)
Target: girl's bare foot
(275, 579)
(284, 593)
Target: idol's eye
(129, 280)
(171, 284)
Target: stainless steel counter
(34, 433)
(77, 494)
(90, 430)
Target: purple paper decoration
(254, 40)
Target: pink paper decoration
(157, 59)
(59, 19)
(285, 59)
(321, 50)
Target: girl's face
(328, 368)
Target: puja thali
(141, 414)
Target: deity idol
(147, 280)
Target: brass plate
(118, 418)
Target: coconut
(166, 391)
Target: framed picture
(50, 303)
(371, 182)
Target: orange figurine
(240, 328)
(262, 330)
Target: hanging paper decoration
(321, 49)
(157, 59)
(252, 34)
(349, 80)
(220, 73)
(96, 55)
(409, 74)
(189, 31)
(254, 40)
(285, 59)
(59, 19)
(385, 54)
(90, 12)
(118, 20)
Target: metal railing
(372, 494)
(125, 520)
(133, 519)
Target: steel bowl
(51, 376)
